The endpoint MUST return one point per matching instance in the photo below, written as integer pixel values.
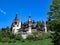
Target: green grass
(39, 42)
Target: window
(17, 25)
(15, 22)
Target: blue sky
(37, 9)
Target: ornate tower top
(29, 16)
(16, 17)
(29, 19)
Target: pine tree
(54, 20)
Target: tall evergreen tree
(54, 20)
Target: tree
(40, 23)
(54, 20)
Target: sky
(37, 9)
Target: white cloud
(2, 11)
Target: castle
(28, 28)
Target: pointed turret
(30, 25)
(29, 21)
(29, 18)
(16, 25)
(16, 17)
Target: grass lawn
(39, 42)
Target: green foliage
(30, 37)
(56, 38)
(54, 22)
(23, 40)
(5, 39)
(18, 37)
(6, 36)
(44, 36)
(40, 23)
(13, 41)
(38, 42)
(38, 36)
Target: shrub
(5, 39)
(44, 35)
(13, 41)
(10, 41)
(23, 40)
(39, 36)
(35, 36)
(18, 37)
(30, 37)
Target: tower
(45, 27)
(29, 25)
(16, 25)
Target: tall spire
(30, 24)
(16, 17)
(29, 18)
